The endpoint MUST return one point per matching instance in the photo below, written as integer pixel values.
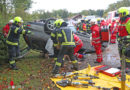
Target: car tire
(49, 25)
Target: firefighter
(96, 40)
(124, 33)
(54, 38)
(67, 45)
(13, 41)
(6, 28)
(113, 31)
(82, 26)
(87, 25)
(79, 44)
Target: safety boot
(55, 69)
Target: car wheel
(49, 25)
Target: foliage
(118, 4)
(98, 12)
(11, 8)
(42, 14)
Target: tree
(11, 8)
(118, 4)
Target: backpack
(104, 33)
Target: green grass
(34, 73)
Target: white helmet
(93, 20)
(11, 21)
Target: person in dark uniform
(67, 45)
(13, 40)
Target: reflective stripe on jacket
(65, 36)
(14, 35)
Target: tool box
(105, 69)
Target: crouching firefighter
(13, 41)
(54, 38)
(67, 45)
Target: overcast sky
(70, 5)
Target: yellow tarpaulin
(103, 81)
